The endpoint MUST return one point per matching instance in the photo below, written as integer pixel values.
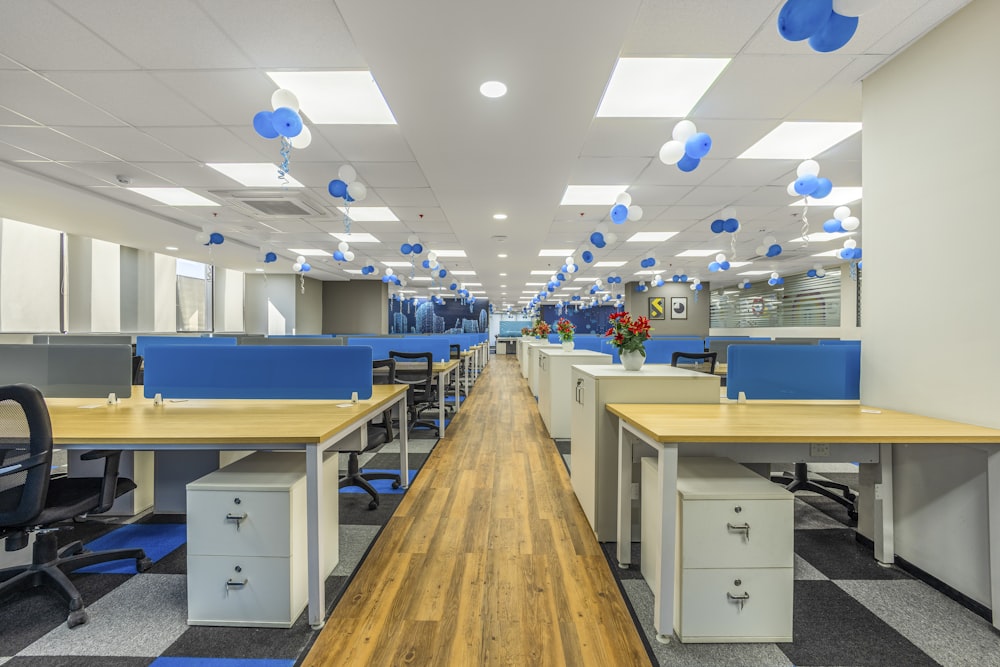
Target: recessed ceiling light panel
(174, 196)
(254, 174)
(800, 140)
(337, 98)
(658, 87)
(591, 195)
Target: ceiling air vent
(264, 205)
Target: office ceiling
(99, 96)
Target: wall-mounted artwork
(657, 308)
(678, 307)
(452, 316)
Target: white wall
(93, 285)
(270, 304)
(229, 299)
(309, 307)
(29, 277)
(930, 239)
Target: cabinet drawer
(248, 592)
(254, 523)
(714, 533)
(710, 610)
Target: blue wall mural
(590, 321)
(451, 317)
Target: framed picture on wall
(678, 307)
(657, 308)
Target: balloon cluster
(842, 221)
(301, 265)
(347, 186)
(850, 250)
(390, 278)
(343, 253)
(720, 263)
(624, 210)
(658, 281)
(696, 285)
(284, 122)
(775, 279)
(679, 278)
(570, 266)
(827, 24)
(209, 238)
(648, 263)
(642, 287)
(816, 272)
(367, 270)
(769, 247)
(411, 248)
(808, 182)
(266, 256)
(745, 284)
(687, 147)
(727, 223)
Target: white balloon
(569, 260)
(388, 270)
(202, 237)
(431, 256)
(820, 272)
(300, 260)
(671, 152)
(635, 213)
(841, 212)
(808, 168)
(720, 258)
(850, 223)
(302, 140)
(658, 277)
(774, 274)
(683, 131)
(283, 97)
(850, 243)
(343, 246)
(791, 190)
(625, 199)
(693, 287)
(434, 265)
(411, 239)
(554, 278)
(571, 268)
(853, 7)
(347, 173)
(357, 190)
(696, 281)
(348, 255)
(760, 250)
(611, 238)
(602, 227)
(769, 241)
(402, 282)
(297, 267)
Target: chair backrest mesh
(25, 432)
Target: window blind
(800, 302)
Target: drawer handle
(579, 391)
(740, 528)
(238, 518)
(738, 599)
(235, 583)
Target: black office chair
(696, 357)
(379, 433)
(30, 502)
(800, 481)
(137, 370)
(416, 369)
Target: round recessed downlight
(493, 89)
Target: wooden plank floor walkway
(488, 560)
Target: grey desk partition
(260, 340)
(82, 339)
(721, 347)
(69, 371)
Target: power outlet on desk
(819, 449)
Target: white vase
(632, 361)
(567, 345)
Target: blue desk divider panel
(380, 347)
(794, 372)
(219, 371)
(142, 341)
(69, 371)
(831, 341)
(261, 340)
(592, 343)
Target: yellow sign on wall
(657, 309)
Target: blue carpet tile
(383, 486)
(157, 540)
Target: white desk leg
(442, 379)
(993, 493)
(314, 536)
(458, 384)
(624, 496)
(404, 444)
(663, 607)
(885, 550)
(466, 362)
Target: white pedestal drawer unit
(555, 388)
(246, 526)
(735, 557)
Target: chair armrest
(110, 481)
(26, 464)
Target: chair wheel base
(396, 485)
(76, 617)
(143, 564)
(373, 505)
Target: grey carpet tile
(676, 654)
(806, 572)
(76, 661)
(633, 571)
(354, 509)
(838, 555)
(829, 507)
(26, 617)
(354, 543)
(942, 628)
(244, 643)
(174, 562)
(417, 446)
(808, 517)
(142, 617)
(832, 628)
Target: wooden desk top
(445, 366)
(794, 422)
(224, 421)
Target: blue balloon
(560, 276)
(306, 267)
(718, 226)
(824, 187)
(714, 266)
(597, 239)
(215, 238)
(698, 145)
(263, 126)
(835, 33)
(453, 287)
(724, 266)
(417, 248)
(270, 257)
(731, 225)
(806, 185)
(832, 226)
(684, 278)
(442, 273)
(587, 256)
(811, 273)
(847, 253)
(800, 19)
(619, 213)
(337, 188)
(348, 197)
(699, 287)
(688, 163)
(857, 253)
(774, 250)
(426, 263)
(339, 256)
(286, 122)
(781, 281)
(600, 245)
(676, 278)
(551, 288)
(406, 249)
(772, 281)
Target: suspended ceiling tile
(657, 173)
(182, 174)
(708, 28)
(367, 143)
(391, 174)
(408, 196)
(627, 137)
(749, 173)
(8, 117)
(206, 144)
(600, 170)
(125, 143)
(227, 97)
(44, 101)
(50, 144)
(61, 172)
(658, 195)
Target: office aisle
(489, 559)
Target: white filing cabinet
(534, 364)
(735, 552)
(594, 431)
(246, 526)
(555, 389)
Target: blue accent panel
(831, 372)
(142, 341)
(156, 539)
(220, 662)
(271, 371)
(592, 343)
(658, 350)
(824, 341)
(380, 347)
(381, 485)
